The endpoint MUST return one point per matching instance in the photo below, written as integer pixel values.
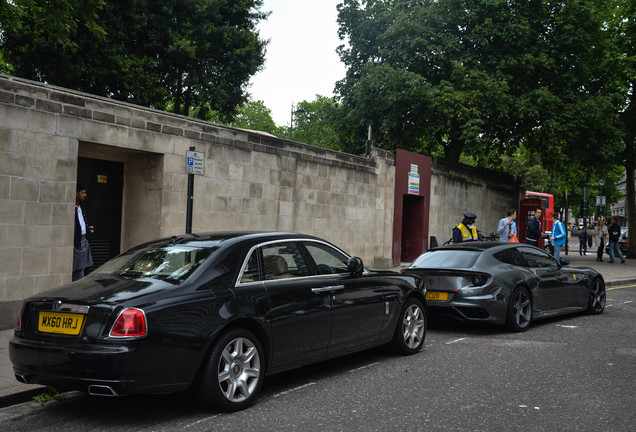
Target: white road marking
(363, 367)
(456, 340)
(295, 389)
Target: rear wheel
(233, 373)
(411, 328)
(519, 310)
(596, 303)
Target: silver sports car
(505, 283)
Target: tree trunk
(630, 208)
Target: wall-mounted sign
(414, 183)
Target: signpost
(195, 165)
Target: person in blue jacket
(558, 235)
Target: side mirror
(355, 266)
(564, 261)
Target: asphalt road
(568, 374)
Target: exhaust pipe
(23, 378)
(101, 390)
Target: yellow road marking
(621, 287)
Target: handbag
(513, 238)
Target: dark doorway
(104, 181)
(412, 227)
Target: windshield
(175, 262)
(446, 259)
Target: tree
(254, 115)
(622, 28)
(480, 78)
(194, 55)
(316, 125)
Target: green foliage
(195, 55)
(316, 125)
(51, 394)
(254, 115)
(480, 79)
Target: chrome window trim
(291, 240)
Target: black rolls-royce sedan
(213, 313)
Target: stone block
(36, 261)
(12, 164)
(52, 191)
(42, 122)
(13, 117)
(25, 189)
(19, 287)
(37, 213)
(10, 261)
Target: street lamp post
(291, 122)
(601, 199)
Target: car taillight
(131, 322)
(18, 324)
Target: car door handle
(327, 289)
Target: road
(568, 374)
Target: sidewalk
(13, 392)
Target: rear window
(175, 262)
(446, 259)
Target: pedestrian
(507, 226)
(600, 238)
(583, 241)
(614, 236)
(82, 257)
(534, 228)
(558, 235)
(466, 229)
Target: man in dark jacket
(82, 257)
(534, 228)
(614, 237)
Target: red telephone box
(527, 206)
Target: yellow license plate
(61, 323)
(433, 295)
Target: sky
(301, 59)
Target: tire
(519, 310)
(596, 302)
(410, 330)
(233, 372)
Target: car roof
(226, 236)
(477, 246)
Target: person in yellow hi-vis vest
(466, 229)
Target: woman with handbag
(600, 238)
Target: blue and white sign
(195, 163)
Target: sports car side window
(284, 260)
(538, 258)
(328, 260)
(511, 256)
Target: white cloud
(301, 59)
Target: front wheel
(519, 310)
(411, 328)
(596, 302)
(233, 373)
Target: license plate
(60, 323)
(433, 295)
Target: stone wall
(456, 189)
